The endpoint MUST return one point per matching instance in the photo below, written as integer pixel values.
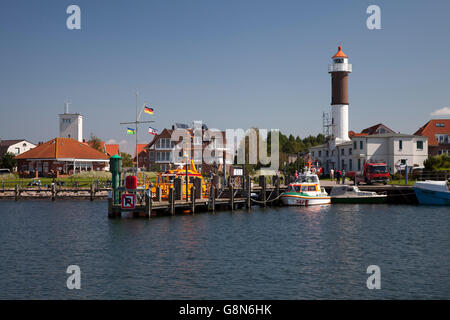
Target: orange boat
(165, 180)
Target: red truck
(373, 172)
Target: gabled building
(437, 131)
(15, 147)
(61, 156)
(159, 151)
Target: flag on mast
(152, 131)
(148, 110)
(131, 131)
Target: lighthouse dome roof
(340, 54)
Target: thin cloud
(445, 111)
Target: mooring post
(172, 201)
(53, 191)
(277, 186)
(263, 190)
(16, 192)
(148, 202)
(193, 199)
(213, 197)
(249, 193)
(92, 191)
(231, 190)
(158, 193)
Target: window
(320, 153)
(440, 124)
(312, 153)
(339, 60)
(349, 151)
(343, 164)
(327, 153)
(342, 152)
(17, 150)
(359, 164)
(400, 145)
(419, 145)
(361, 144)
(350, 164)
(354, 145)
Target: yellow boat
(165, 180)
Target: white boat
(352, 194)
(305, 191)
(432, 192)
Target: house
(61, 156)
(160, 150)
(15, 147)
(438, 132)
(143, 156)
(395, 149)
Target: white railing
(340, 67)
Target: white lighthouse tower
(339, 69)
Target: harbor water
(273, 253)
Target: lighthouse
(339, 69)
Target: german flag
(148, 110)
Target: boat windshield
(307, 179)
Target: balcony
(334, 67)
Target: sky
(230, 63)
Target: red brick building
(438, 132)
(61, 156)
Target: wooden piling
(172, 201)
(213, 198)
(231, 190)
(193, 199)
(16, 192)
(263, 190)
(249, 192)
(92, 191)
(53, 192)
(158, 193)
(148, 203)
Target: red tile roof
(373, 129)
(112, 149)
(63, 148)
(430, 129)
(140, 148)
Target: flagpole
(137, 155)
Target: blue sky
(232, 64)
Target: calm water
(276, 253)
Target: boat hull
(431, 197)
(295, 200)
(360, 200)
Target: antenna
(66, 106)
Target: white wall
(20, 147)
(72, 129)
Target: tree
(96, 143)
(8, 161)
(127, 160)
(436, 163)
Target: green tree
(127, 160)
(8, 161)
(96, 143)
(436, 163)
